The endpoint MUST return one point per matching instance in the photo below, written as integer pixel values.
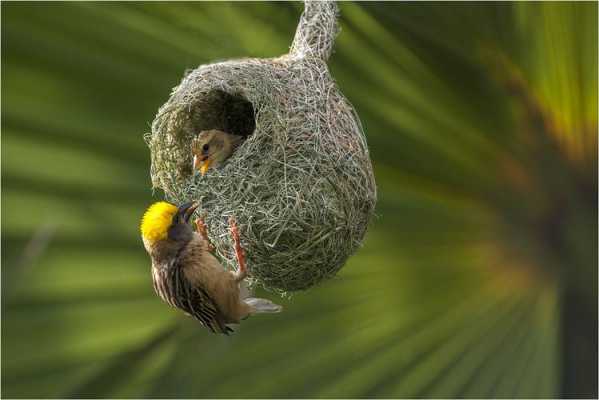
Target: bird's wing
(173, 287)
(196, 301)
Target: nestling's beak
(186, 210)
(201, 164)
(205, 165)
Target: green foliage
(477, 278)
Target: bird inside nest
(186, 274)
(211, 148)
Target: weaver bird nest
(301, 186)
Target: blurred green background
(478, 277)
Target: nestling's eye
(205, 147)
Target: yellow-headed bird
(210, 148)
(187, 276)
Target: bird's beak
(204, 166)
(201, 164)
(186, 210)
(197, 163)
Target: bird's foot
(239, 252)
(203, 230)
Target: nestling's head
(211, 148)
(166, 225)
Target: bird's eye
(205, 147)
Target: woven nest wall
(301, 186)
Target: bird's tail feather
(262, 305)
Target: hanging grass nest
(301, 186)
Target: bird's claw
(203, 230)
(239, 252)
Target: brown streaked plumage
(187, 276)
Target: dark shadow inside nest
(231, 113)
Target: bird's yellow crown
(156, 221)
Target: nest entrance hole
(231, 113)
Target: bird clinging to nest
(187, 276)
(305, 143)
(210, 148)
